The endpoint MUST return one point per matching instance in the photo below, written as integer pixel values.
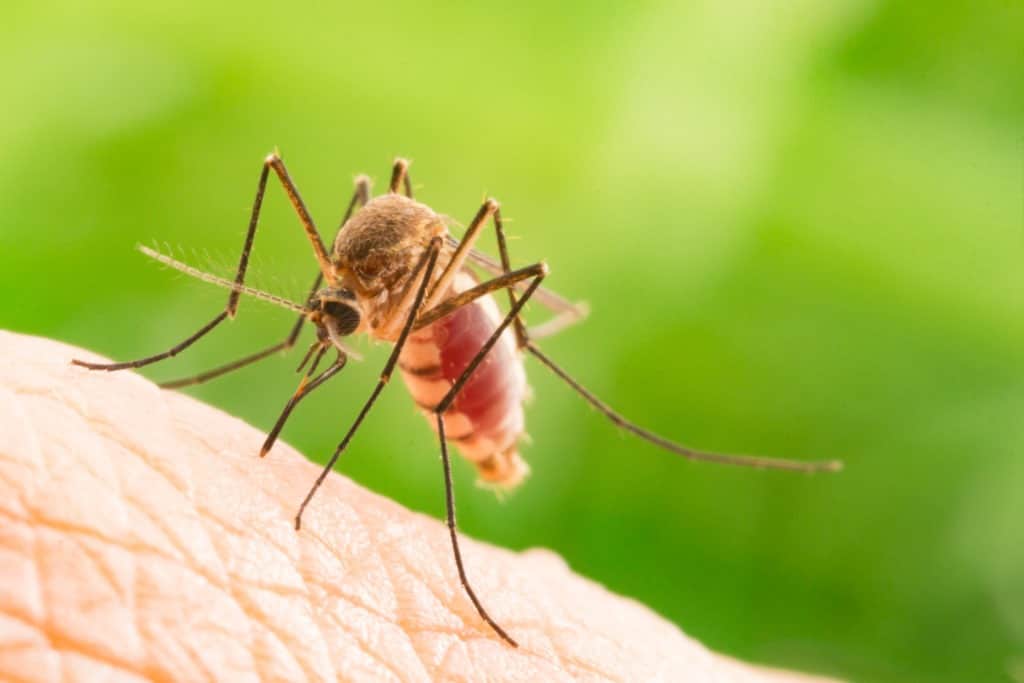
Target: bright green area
(800, 227)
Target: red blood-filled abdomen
(485, 421)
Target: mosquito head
(335, 312)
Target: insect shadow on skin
(395, 273)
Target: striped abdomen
(485, 421)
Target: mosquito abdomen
(485, 422)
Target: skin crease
(142, 539)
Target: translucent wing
(566, 312)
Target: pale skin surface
(141, 538)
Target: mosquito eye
(342, 318)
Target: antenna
(227, 284)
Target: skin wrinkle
(466, 632)
(84, 649)
(128, 503)
(576, 665)
(73, 659)
(449, 595)
(31, 629)
(297, 592)
(107, 572)
(198, 663)
(68, 529)
(438, 600)
(457, 648)
(195, 554)
(387, 542)
(343, 627)
(369, 649)
(324, 589)
(559, 628)
(223, 590)
(378, 565)
(126, 446)
(379, 548)
(391, 541)
(115, 432)
(394, 586)
(320, 616)
(247, 594)
(140, 551)
(103, 430)
(238, 593)
(302, 591)
(37, 583)
(563, 658)
(87, 555)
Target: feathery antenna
(222, 282)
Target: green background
(800, 227)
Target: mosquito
(395, 272)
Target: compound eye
(341, 318)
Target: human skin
(141, 539)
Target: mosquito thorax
(378, 249)
(335, 311)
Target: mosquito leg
(400, 177)
(285, 345)
(449, 500)
(306, 386)
(673, 447)
(566, 312)
(742, 460)
(450, 305)
(458, 258)
(426, 266)
(521, 335)
(442, 406)
(272, 162)
(571, 314)
(525, 342)
(360, 197)
(275, 162)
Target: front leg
(360, 197)
(230, 309)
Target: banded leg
(426, 267)
(439, 410)
(272, 162)
(360, 197)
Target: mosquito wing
(566, 312)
